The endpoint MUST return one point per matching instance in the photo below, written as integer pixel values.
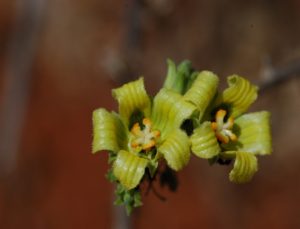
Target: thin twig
(273, 76)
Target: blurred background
(59, 60)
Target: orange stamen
(156, 133)
(149, 145)
(147, 122)
(136, 129)
(223, 130)
(214, 126)
(144, 138)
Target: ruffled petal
(254, 134)
(132, 97)
(129, 169)
(169, 111)
(109, 133)
(202, 91)
(176, 149)
(239, 95)
(204, 142)
(245, 166)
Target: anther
(144, 138)
(223, 130)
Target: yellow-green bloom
(187, 115)
(143, 132)
(224, 131)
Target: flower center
(144, 138)
(223, 129)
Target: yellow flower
(143, 132)
(224, 131)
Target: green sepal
(152, 166)
(129, 169)
(176, 150)
(254, 134)
(244, 167)
(204, 142)
(137, 200)
(176, 78)
(132, 98)
(213, 160)
(129, 198)
(170, 111)
(239, 95)
(185, 70)
(202, 91)
(110, 176)
(109, 133)
(120, 190)
(112, 156)
(192, 77)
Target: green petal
(239, 95)
(171, 75)
(254, 133)
(132, 97)
(185, 71)
(129, 169)
(109, 132)
(204, 142)
(245, 166)
(174, 81)
(169, 111)
(202, 91)
(176, 149)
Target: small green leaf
(185, 71)
(213, 160)
(120, 191)
(176, 78)
(129, 209)
(130, 199)
(127, 198)
(152, 166)
(110, 176)
(137, 199)
(204, 142)
(118, 201)
(173, 81)
(111, 157)
(190, 80)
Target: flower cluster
(188, 115)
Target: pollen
(144, 138)
(223, 129)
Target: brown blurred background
(59, 60)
